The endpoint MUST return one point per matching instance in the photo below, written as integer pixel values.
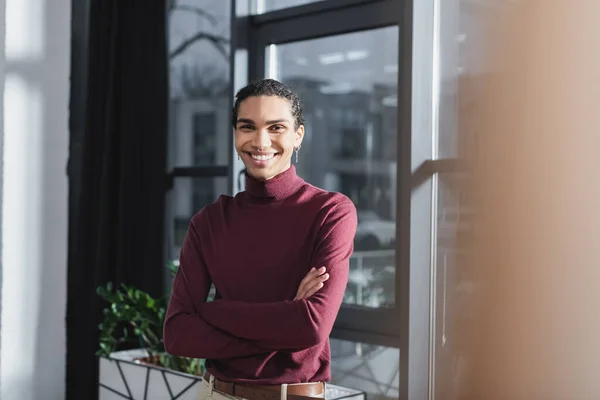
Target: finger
(311, 278)
(313, 290)
(318, 280)
(314, 281)
(305, 280)
(314, 286)
(312, 274)
(315, 272)
(302, 292)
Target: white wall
(34, 198)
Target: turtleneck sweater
(256, 248)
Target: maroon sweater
(256, 247)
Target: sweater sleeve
(299, 323)
(185, 333)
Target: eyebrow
(274, 121)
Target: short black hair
(270, 87)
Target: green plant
(134, 318)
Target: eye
(246, 127)
(277, 128)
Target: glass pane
(264, 6)
(349, 87)
(373, 369)
(186, 198)
(454, 297)
(463, 71)
(199, 131)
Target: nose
(261, 140)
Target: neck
(278, 187)
(271, 177)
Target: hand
(312, 282)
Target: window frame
(253, 34)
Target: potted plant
(133, 320)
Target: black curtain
(118, 178)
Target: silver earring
(297, 150)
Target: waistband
(248, 391)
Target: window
(199, 129)
(205, 146)
(372, 368)
(349, 85)
(345, 58)
(463, 69)
(185, 199)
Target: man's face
(265, 135)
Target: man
(278, 254)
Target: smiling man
(266, 134)
(278, 254)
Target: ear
(299, 135)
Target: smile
(262, 157)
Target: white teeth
(263, 157)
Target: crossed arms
(226, 329)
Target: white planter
(121, 377)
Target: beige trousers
(208, 393)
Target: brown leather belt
(262, 392)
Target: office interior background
(380, 83)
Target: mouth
(261, 160)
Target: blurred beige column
(538, 335)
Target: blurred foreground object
(538, 195)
